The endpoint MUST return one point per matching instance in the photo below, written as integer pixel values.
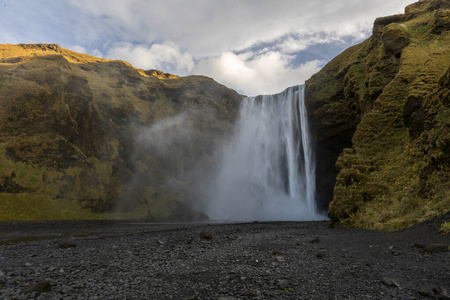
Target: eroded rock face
(395, 39)
(69, 125)
(380, 119)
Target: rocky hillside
(380, 112)
(89, 138)
(78, 137)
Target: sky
(252, 46)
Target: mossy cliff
(381, 120)
(71, 144)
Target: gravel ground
(286, 260)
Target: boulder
(206, 235)
(39, 287)
(395, 39)
(436, 248)
(390, 282)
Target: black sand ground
(304, 260)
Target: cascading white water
(268, 170)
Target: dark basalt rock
(66, 245)
(390, 282)
(165, 262)
(39, 287)
(321, 253)
(206, 235)
(441, 293)
(436, 248)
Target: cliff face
(78, 135)
(381, 120)
(83, 137)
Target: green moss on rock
(69, 124)
(393, 165)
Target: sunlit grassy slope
(69, 128)
(76, 137)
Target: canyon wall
(78, 139)
(381, 121)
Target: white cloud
(248, 45)
(166, 56)
(296, 43)
(291, 45)
(223, 39)
(78, 48)
(263, 72)
(229, 65)
(96, 53)
(252, 74)
(208, 28)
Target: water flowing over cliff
(268, 169)
(89, 138)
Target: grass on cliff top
(445, 228)
(34, 207)
(10, 54)
(18, 53)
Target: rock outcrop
(381, 120)
(88, 138)
(76, 137)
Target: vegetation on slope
(70, 123)
(381, 112)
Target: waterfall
(267, 171)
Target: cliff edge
(381, 121)
(77, 138)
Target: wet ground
(285, 260)
(17, 232)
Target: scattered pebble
(281, 259)
(39, 287)
(441, 293)
(283, 284)
(206, 235)
(321, 253)
(66, 245)
(315, 240)
(246, 261)
(390, 282)
(425, 292)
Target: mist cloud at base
(172, 159)
(250, 170)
